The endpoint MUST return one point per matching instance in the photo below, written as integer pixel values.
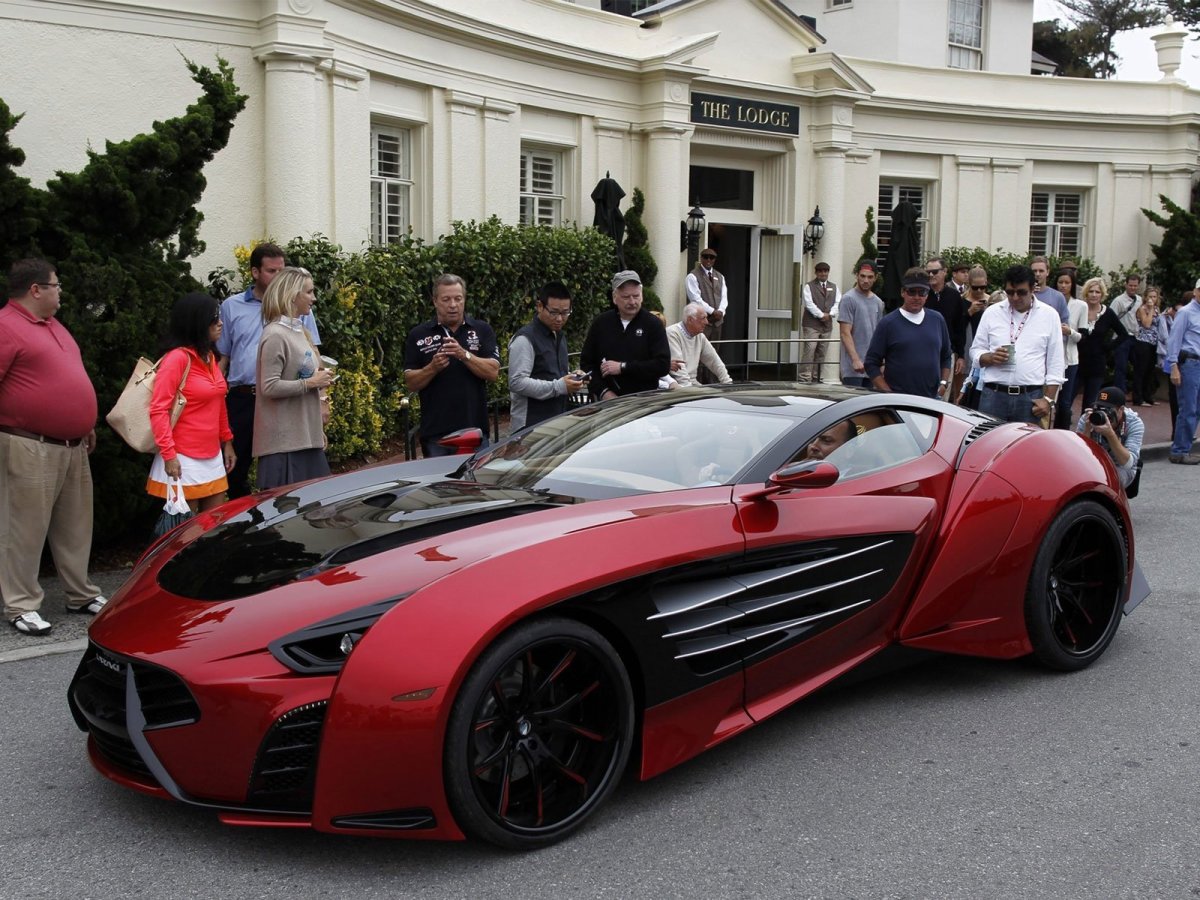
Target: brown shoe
(1186, 460)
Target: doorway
(732, 243)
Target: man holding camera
(1118, 430)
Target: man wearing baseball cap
(1118, 430)
(1183, 358)
(626, 348)
(910, 351)
(858, 317)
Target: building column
(350, 163)
(465, 178)
(971, 213)
(667, 155)
(293, 137)
(831, 196)
(502, 138)
(1010, 207)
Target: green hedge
(367, 303)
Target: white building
(370, 117)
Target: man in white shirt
(817, 321)
(1019, 348)
(689, 344)
(1125, 308)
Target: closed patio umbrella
(609, 219)
(902, 252)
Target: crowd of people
(245, 381)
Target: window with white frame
(838, 4)
(541, 187)
(966, 35)
(891, 195)
(1056, 223)
(391, 183)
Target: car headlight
(324, 647)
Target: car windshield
(645, 446)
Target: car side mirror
(464, 441)
(808, 473)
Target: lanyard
(1012, 338)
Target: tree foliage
(1075, 50)
(869, 250)
(120, 231)
(637, 249)
(1174, 267)
(1185, 12)
(1109, 18)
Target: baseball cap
(1110, 396)
(624, 277)
(916, 279)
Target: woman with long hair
(1077, 313)
(198, 450)
(289, 434)
(1145, 351)
(1093, 346)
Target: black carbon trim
(417, 819)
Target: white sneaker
(92, 607)
(31, 623)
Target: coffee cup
(329, 362)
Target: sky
(1138, 59)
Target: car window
(872, 441)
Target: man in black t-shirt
(449, 362)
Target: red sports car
(477, 646)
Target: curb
(52, 649)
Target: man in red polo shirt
(47, 430)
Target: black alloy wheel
(1073, 603)
(539, 734)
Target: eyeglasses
(49, 284)
(215, 320)
(557, 313)
(978, 287)
(915, 291)
(934, 271)
(1012, 292)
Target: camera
(1101, 414)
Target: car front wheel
(539, 734)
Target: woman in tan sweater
(289, 437)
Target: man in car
(626, 348)
(829, 440)
(1118, 430)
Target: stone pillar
(350, 205)
(502, 163)
(973, 207)
(291, 141)
(1010, 207)
(666, 206)
(465, 185)
(831, 196)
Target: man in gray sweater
(689, 344)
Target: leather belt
(243, 389)
(40, 438)
(1012, 388)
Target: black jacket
(641, 345)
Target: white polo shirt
(1037, 336)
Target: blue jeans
(1009, 407)
(856, 381)
(1066, 397)
(1189, 407)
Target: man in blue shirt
(1183, 356)
(241, 318)
(910, 350)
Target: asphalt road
(955, 778)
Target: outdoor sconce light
(813, 232)
(692, 229)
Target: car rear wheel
(1073, 603)
(539, 734)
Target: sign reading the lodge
(754, 115)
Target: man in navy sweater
(910, 350)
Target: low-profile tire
(539, 734)
(1073, 602)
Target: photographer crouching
(1119, 431)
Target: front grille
(286, 767)
(97, 696)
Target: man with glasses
(946, 301)
(706, 286)
(538, 381)
(1019, 350)
(241, 329)
(910, 351)
(691, 346)
(47, 429)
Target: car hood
(337, 522)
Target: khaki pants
(812, 353)
(45, 495)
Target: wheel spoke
(563, 664)
(489, 761)
(535, 775)
(569, 702)
(560, 725)
(505, 787)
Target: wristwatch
(466, 356)
(943, 383)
